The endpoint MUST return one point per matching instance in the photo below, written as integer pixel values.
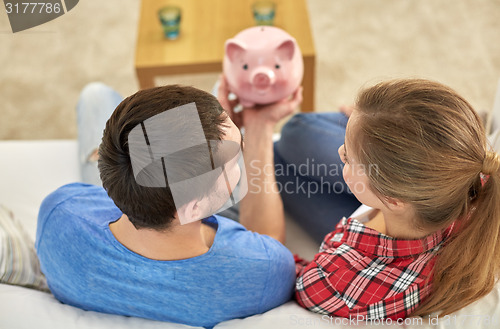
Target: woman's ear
(396, 205)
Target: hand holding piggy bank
(262, 65)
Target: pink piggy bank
(262, 65)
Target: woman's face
(355, 173)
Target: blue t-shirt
(243, 273)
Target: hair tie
(484, 178)
(491, 163)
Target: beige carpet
(358, 42)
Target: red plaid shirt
(362, 273)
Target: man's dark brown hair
(149, 207)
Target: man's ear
(189, 212)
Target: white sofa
(29, 170)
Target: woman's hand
(346, 109)
(229, 104)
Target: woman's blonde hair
(430, 150)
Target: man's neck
(178, 242)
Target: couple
(138, 248)
(148, 244)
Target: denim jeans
(308, 167)
(96, 104)
(309, 172)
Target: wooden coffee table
(205, 26)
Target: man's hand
(270, 113)
(262, 208)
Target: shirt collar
(371, 241)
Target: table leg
(308, 84)
(146, 79)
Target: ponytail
(468, 265)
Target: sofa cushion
(18, 261)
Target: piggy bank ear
(286, 50)
(234, 49)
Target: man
(136, 247)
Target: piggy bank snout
(263, 79)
